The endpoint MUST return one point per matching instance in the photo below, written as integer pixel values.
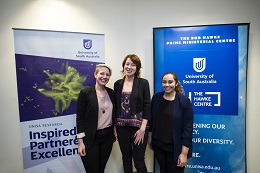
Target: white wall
(127, 26)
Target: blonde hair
(99, 66)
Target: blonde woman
(95, 122)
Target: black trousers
(166, 161)
(97, 156)
(129, 150)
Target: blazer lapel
(120, 89)
(94, 100)
(134, 95)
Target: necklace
(103, 103)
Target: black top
(182, 122)
(162, 134)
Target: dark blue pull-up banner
(211, 63)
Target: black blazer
(140, 99)
(182, 121)
(87, 113)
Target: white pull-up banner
(52, 67)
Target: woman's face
(102, 76)
(168, 83)
(129, 68)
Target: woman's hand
(139, 136)
(182, 159)
(81, 147)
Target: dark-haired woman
(171, 127)
(132, 98)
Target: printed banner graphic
(210, 62)
(51, 68)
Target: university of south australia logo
(199, 64)
(87, 44)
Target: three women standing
(128, 107)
